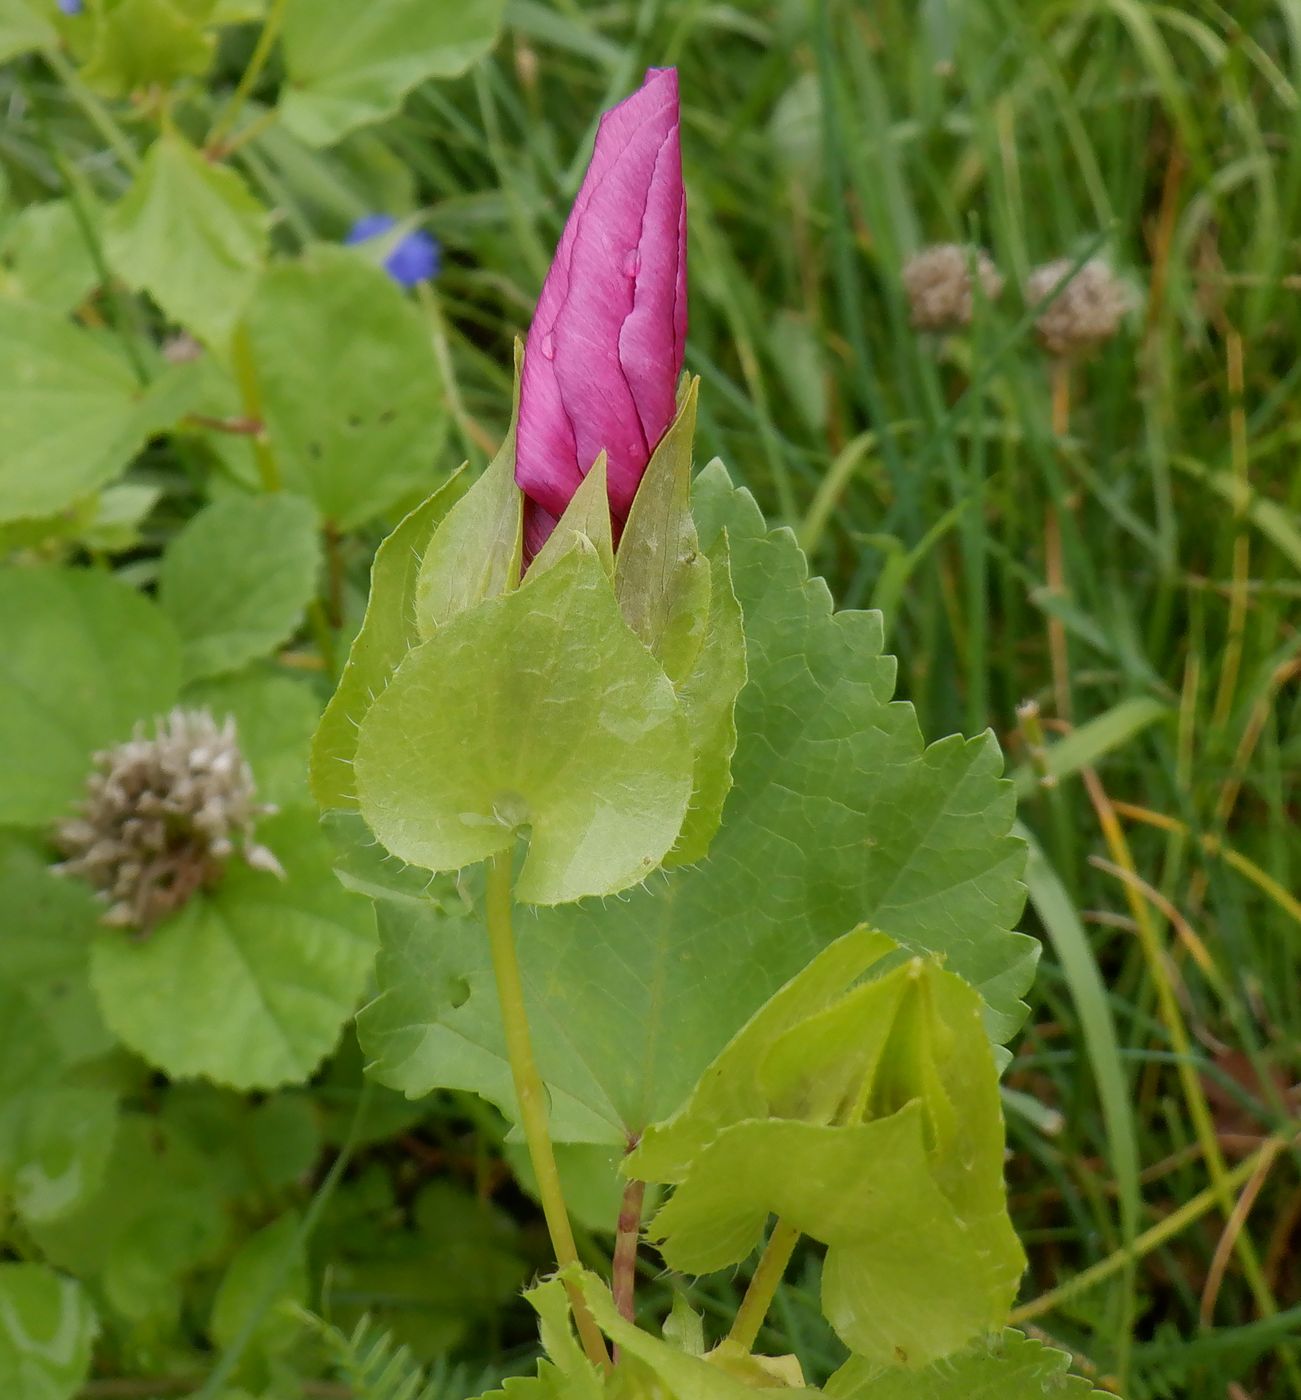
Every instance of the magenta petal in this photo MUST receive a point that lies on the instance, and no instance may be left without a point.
(538, 525)
(604, 350)
(650, 350)
(546, 457)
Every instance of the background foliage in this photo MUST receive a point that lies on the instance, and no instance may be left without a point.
(150, 188)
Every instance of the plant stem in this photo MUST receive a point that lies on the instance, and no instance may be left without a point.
(261, 52)
(531, 1093)
(763, 1286)
(100, 117)
(1053, 566)
(624, 1278)
(241, 355)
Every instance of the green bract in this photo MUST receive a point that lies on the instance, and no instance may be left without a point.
(865, 1114)
(588, 706)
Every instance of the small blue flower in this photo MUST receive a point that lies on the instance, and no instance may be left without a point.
(416, 257)
(71, 7)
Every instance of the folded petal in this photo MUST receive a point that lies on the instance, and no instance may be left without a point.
(604, 350)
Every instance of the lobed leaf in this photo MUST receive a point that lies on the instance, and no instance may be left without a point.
(838, 815)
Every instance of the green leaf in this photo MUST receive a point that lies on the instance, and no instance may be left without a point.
(1009, 1366)
(660, 578)
(47, 1326)
(388, 631)
(157, 1215)
(61, 1144)
(681, 603)
(190, 234)
(249, 984)
(350, 64)
(588, 515)
(708, 694)
(562, 723)
(837, 815)
(871, 1122)
(474, 554)
(54, 1136)
(237, 579)
(266, 1276)
(351, 392)
(49, 262)
(659, 1368)
(44, 954)
(732, 1089)
(85, 659)
(24, 26)
(274, 718)
(71, 413)
(141, 42)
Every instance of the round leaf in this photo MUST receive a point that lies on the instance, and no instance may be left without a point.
(349, 64)
(190, 234)
(85, 658)
(71, 412)
(237, 578)
(349, 383)
(250, 984)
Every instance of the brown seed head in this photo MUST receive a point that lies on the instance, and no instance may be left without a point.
(938, 284)
(1086, 312)
(161, 817)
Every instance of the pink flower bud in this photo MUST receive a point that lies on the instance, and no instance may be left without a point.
(604, 352)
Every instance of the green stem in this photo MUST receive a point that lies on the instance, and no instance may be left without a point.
(530, 1092)
(241, 355)
(100, 117)
(763, 1286)
(261, 52)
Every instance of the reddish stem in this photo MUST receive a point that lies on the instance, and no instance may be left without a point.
(625, 1247)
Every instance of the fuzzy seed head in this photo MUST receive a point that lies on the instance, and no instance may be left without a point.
(162, 816)
(938, 283)
(1085, 313)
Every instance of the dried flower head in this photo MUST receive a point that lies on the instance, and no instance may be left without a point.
(939, 286)
(1087, 311)
(162, 816)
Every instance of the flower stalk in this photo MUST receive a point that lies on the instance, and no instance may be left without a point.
(763, 1285)
(531, 1093)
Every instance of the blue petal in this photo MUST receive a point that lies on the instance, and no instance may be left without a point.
(416, 258)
